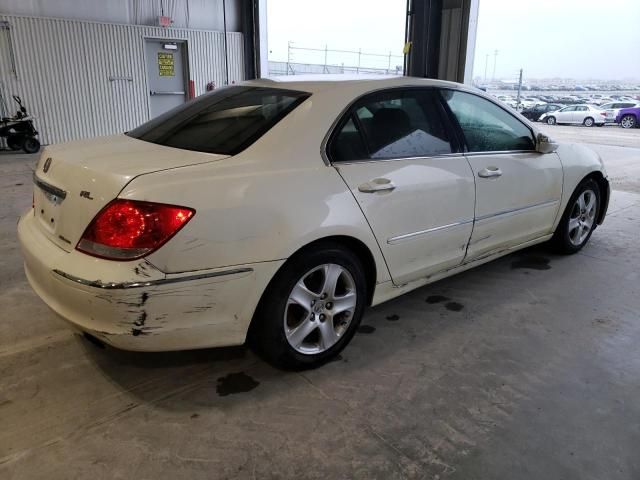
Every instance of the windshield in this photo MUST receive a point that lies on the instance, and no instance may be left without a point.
(225, 121)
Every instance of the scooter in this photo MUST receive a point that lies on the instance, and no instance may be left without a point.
(19, 130)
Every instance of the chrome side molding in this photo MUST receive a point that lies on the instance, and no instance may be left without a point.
(150, 283)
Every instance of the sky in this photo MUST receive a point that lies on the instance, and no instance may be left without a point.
(578, 39)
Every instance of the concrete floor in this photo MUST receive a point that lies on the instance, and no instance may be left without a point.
(525, 368)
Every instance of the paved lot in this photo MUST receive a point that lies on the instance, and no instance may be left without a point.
(525, 368)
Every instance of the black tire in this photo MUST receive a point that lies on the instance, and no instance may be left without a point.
(589, 122)
(31, 145)
(561, 241)
(14, 142)
(550, 120)
(267, 332)
(628, 121)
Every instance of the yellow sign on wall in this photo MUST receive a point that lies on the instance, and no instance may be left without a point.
(165, 64)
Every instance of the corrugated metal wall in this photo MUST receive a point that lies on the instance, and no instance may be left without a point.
(81, 79)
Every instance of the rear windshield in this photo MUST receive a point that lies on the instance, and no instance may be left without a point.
(225, 121)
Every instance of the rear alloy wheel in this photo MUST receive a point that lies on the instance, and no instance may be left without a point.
(588, 122)
(320, 308)
(628, 121)
(551, 120)
(311, 309)
(579, 219)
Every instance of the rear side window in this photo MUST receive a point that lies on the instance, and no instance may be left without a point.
(392, 124)
(225, 121)
(486, 126)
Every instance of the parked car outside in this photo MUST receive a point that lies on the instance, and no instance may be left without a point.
(612, 108)
(276, 210)
(587, 115)
(534, 113)
(628, 117)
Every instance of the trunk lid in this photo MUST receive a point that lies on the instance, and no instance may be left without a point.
(74, 181)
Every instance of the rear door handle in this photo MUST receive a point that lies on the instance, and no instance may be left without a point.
(377, 185)
(490, 172)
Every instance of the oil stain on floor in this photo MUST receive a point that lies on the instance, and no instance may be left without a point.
(454, 306)
(531, 262)
(436, 299)
(366, 329)
(235, 383)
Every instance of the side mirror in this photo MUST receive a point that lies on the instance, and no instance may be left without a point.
(544, 144)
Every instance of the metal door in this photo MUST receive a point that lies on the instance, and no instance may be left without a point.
(165, 75)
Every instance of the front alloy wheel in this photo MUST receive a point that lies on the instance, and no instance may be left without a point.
(579, 218)
(582, 218)
(551, 120)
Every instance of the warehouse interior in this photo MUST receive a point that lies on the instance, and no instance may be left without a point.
(526, 367)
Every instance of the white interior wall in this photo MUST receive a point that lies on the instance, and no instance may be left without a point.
(81, 79)
(197, 14)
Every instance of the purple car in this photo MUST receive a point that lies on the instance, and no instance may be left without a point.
(628, 117)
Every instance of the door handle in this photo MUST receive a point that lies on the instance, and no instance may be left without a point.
(490, 172)
(377, 185)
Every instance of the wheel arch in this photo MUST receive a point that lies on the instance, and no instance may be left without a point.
(355, 246)
(605, 192)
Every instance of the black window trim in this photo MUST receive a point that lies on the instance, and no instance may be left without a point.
(349, 111)
(460, 132)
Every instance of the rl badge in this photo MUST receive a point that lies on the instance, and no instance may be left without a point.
(47, 165)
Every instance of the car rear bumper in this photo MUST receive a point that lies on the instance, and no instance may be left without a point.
(134, 306)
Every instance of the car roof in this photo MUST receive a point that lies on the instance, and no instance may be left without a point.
(321, 82)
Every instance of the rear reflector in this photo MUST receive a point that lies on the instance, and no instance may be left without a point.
(129, 229)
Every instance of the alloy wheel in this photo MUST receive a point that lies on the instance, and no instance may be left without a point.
(628, 121)
(583, 215)
(320, 309)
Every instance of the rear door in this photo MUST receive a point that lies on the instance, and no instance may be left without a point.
(518, 190)
(396, 154)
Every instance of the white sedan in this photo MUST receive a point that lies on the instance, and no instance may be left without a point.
(277, 210)
(586, 115)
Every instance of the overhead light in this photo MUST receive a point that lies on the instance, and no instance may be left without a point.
(170, 46)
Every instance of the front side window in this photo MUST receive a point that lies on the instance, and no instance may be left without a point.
(485, 126)
(392, 124)
(225, 121)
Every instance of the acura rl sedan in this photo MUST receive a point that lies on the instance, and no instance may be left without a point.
(276, 211)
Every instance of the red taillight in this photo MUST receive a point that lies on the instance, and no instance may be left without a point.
(604, 114)
(129, 229)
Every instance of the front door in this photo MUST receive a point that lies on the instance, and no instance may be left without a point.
(518, 190)
(165, 75)
(395, 153)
